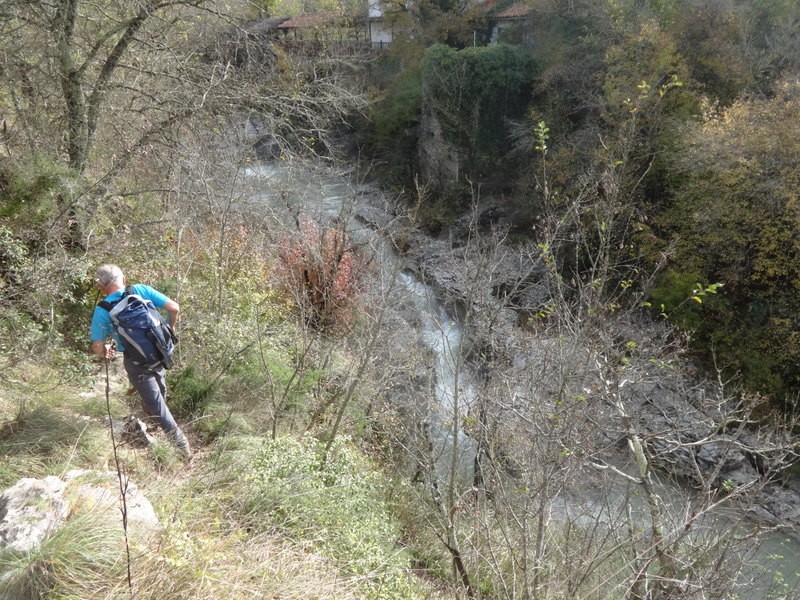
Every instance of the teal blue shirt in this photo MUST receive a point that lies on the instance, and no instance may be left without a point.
(102, 327)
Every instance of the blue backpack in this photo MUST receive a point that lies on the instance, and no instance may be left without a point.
(149, 340)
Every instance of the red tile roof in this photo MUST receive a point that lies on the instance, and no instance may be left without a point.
(515, 11)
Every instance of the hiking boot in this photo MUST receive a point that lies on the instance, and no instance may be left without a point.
(134, 430)
(182, 444)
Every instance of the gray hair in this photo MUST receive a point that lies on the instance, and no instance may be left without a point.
(107, 274)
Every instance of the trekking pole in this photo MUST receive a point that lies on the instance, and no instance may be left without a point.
(123, 484)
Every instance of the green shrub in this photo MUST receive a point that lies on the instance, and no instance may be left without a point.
(393, 127)
(440, 211)
(29, 192)
(671, 297)
(42, 275)
(339, 508)
(473, 93)
(733, 220)
(190, 392)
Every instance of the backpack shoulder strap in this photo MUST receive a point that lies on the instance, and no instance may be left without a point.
(109, 305)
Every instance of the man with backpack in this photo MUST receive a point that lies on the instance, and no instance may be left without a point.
(143, 346)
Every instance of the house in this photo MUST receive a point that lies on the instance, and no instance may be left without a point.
(379, 31)
(499, 16)
(309, 30)
(515, 16)
(309, 26)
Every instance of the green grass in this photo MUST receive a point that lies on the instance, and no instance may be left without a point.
(81, 559)
(338, 507)
(246, 518)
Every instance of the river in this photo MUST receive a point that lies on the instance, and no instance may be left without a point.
(323, 194)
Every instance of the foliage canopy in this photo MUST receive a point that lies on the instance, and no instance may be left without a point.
(472, 92)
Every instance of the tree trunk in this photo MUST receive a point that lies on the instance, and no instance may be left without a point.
(77, 132)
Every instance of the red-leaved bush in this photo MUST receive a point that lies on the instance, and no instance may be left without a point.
(323, 272)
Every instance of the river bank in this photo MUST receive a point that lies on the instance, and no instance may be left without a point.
(696, 430)
(548, 391)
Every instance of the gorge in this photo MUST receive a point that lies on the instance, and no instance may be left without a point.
(697, 443)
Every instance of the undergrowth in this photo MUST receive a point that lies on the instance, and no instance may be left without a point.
(248, 518)
(254, 514)
(338, 508)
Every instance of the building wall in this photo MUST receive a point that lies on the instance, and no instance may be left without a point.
(379, 33)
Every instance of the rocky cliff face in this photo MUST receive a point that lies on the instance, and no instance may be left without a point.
(439, 160)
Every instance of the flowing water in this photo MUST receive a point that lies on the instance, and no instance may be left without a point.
(453, 387)
(292, 190)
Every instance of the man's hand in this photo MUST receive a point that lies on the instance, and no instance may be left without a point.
(106, 351)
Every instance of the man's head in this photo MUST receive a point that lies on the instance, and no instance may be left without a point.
(109, 275)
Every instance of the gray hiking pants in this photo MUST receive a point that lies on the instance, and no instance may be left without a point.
(152, 388)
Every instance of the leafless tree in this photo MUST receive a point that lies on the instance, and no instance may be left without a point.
(603, 467)
(103, 65)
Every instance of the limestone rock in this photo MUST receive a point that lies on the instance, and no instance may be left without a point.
(99, 492)
(32, 509)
